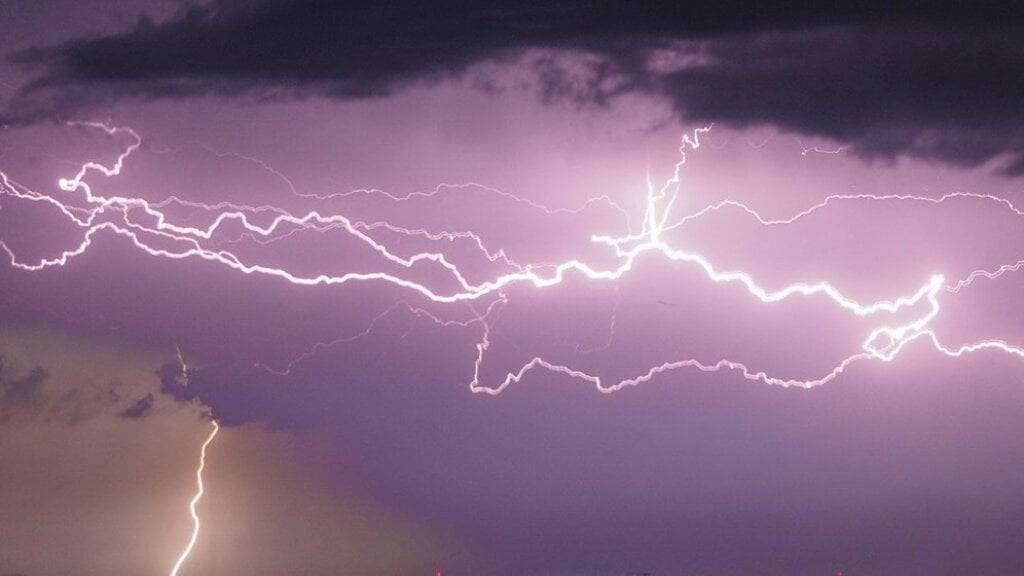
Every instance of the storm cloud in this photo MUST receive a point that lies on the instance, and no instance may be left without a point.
(943, 83)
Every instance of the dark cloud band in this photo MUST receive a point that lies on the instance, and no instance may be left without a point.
(944, 83)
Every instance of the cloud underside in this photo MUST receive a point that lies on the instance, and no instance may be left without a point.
(945, 85)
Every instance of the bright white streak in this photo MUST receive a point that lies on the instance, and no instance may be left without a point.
(200, 490)
(628, 248)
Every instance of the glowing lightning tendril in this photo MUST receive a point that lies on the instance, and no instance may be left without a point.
(115, 214)
(200, 490)
(882, 343)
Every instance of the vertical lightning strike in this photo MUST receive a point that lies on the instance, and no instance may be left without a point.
(200, 490)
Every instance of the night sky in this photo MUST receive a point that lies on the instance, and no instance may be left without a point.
(525, 288)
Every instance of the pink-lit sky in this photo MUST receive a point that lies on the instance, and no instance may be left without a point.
(361, 432)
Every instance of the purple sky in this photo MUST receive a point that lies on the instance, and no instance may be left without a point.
(363, 431)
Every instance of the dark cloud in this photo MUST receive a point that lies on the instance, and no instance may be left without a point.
(171, 375)
(942, 82)
(931, 92)
(35, 396)
(139, 409)
(231, 396)
(20, 391)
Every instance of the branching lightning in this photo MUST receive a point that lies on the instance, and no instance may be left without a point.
(95, 214)
(113, 214)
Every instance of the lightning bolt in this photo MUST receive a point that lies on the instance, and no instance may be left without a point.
(181, 362)
(200, 490)
(805, 150)
(628, 248)
(94, 213)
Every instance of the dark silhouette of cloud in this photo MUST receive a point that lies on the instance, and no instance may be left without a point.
(139, 409)
(948, 94)
(943, 81)
(36, 396)
(24, 390)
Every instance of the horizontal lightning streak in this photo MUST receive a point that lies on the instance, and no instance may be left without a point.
(627, 248)
(114, 214)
